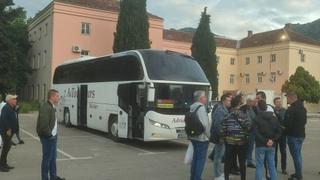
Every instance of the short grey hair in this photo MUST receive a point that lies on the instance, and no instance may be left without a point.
(197, 94)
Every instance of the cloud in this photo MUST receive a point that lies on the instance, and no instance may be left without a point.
(228, 17)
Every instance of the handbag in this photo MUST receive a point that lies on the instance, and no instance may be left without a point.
(189, 154)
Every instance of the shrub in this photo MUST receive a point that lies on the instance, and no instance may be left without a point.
(28, 106)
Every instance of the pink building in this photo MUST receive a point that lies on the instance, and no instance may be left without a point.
(69, 29)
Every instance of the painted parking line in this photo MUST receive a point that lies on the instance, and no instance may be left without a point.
(69, 157)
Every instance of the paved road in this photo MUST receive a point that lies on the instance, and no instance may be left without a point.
(90, 155)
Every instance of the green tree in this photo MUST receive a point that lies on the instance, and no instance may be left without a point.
(14, 46)
(204, 51)
(304, 84)
(132, 27)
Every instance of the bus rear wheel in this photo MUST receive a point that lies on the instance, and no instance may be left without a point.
(67, 118)
(113, 129)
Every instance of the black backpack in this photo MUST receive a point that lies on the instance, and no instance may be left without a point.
(193, 126)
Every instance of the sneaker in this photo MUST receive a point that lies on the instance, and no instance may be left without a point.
(59, 178)
(251, 165)
(21, 142)
(234, 172)
(295, 177)
(284, 172)
(219, 178)
(13, 143)
(8, 167)
(4, 169)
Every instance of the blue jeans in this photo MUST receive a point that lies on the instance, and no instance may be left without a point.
(267, 153)
(295, 146)
(218, 154)
(199, 159)
(49, 156)
(251, 143)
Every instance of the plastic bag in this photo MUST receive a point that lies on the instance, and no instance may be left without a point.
(189, 154)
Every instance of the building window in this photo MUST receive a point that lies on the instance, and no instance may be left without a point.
(247, 60)
(38, 92)
(259, 78)
(259, 59)
(85, 28)
(38, 61)
(232, 61)
(232, 79)
(40, 32)
(302, 58)
(84, 53)
(273, 77)
(218, 59)
(44, 59)
(33, 62)
(46, 29)
(247, 78)
(273, 58)
(44, 92)
(33, 92)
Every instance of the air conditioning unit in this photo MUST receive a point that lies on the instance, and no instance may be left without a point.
(76, 49)
(263, 73)
(279, 72)
(300, 51)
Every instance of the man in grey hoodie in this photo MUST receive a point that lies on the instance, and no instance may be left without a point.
(200, 143)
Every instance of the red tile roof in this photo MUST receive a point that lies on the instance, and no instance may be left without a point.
(175, 35)
(275, 36)
(111, 5)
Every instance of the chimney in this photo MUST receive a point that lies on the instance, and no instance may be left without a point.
(250, 33)
(287, 26)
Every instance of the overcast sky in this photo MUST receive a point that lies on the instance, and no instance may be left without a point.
(231, 18)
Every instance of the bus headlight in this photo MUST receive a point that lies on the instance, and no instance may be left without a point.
(160, 125)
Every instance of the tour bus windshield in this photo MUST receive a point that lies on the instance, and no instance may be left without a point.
(172, 66)
(175, 96)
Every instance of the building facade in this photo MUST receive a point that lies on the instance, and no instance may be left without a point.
(69, 29)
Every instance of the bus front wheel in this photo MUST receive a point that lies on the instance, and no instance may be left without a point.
(67, 118)
(113, 128)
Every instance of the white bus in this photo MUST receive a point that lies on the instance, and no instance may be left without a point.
(139, 94)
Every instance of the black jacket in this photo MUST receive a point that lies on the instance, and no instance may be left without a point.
(266, 126)
(295, 120)
(8, 119)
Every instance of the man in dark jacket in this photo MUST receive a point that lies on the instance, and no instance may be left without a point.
(217, 118)
(295, 121)
(281, 143)
(8, 126)
(47, 131)
(267, 130)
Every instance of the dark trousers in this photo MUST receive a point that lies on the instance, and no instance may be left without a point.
(241, 152)
(49, 156)
(282, 145)
(6, 140)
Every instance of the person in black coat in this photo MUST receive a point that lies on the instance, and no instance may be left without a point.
(8, 126)
(295, 121)
(266, 130)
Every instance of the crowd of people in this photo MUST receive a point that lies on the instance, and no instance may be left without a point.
(238, 129)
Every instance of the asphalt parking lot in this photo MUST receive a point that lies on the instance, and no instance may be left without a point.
(85, 154)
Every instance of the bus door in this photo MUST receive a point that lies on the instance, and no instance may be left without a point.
(82, 105)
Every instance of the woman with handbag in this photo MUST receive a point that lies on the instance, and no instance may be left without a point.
(235, 130)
